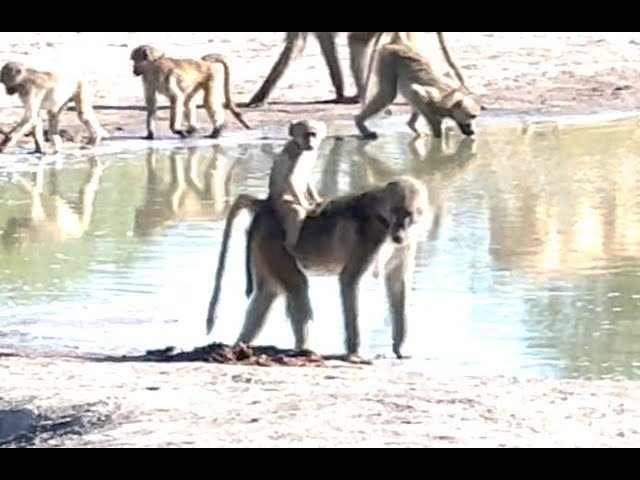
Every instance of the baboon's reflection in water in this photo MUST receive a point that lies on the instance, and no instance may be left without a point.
(197, 188)
(52, 218)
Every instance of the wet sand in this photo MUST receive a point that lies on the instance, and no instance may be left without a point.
(204, 404)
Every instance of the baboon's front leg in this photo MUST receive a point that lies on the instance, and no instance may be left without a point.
(349, 284)
(151, 101)
(29, 120)
(412, 123)
(434, 122)
(397, 271)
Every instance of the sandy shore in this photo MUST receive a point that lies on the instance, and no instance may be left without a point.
(162, 405)
(193, 404)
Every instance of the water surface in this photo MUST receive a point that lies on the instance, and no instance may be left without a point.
(536, 271)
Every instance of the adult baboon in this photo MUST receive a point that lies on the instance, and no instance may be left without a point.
(358, 43)
(400, 68)
(342, 239)
(180, 80)
(50, 91)
(409, 39)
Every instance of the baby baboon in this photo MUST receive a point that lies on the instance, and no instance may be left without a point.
(180, 80)
(40, 90)
(401, 68)
(290, 189)
(342, 239)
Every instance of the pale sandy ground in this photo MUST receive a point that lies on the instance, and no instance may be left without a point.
(221, 405)
(511, 72)
(232, 406)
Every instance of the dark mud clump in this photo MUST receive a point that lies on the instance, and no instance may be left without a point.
(263, 356)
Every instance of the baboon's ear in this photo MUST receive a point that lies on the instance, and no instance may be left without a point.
(452, 100)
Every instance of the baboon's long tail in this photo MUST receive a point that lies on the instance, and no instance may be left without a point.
(243, 201)
(216, 58)
(452, 64)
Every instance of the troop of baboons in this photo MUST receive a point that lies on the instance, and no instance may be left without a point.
(292, 230)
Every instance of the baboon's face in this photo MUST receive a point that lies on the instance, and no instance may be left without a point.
(141, 56)
(464, 112)
(10, 76)
(308, 134)
(406, 200)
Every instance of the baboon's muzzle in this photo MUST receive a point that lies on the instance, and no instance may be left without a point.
(398, 238)
(467, 129)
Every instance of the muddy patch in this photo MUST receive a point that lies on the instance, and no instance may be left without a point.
(263, 356)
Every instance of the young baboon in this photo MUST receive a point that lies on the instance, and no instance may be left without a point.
(342, 239)
(401, 68)
(41, 90)
(290, 190)
(180, 80)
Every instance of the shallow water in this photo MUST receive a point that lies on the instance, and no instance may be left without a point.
(536, 271)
